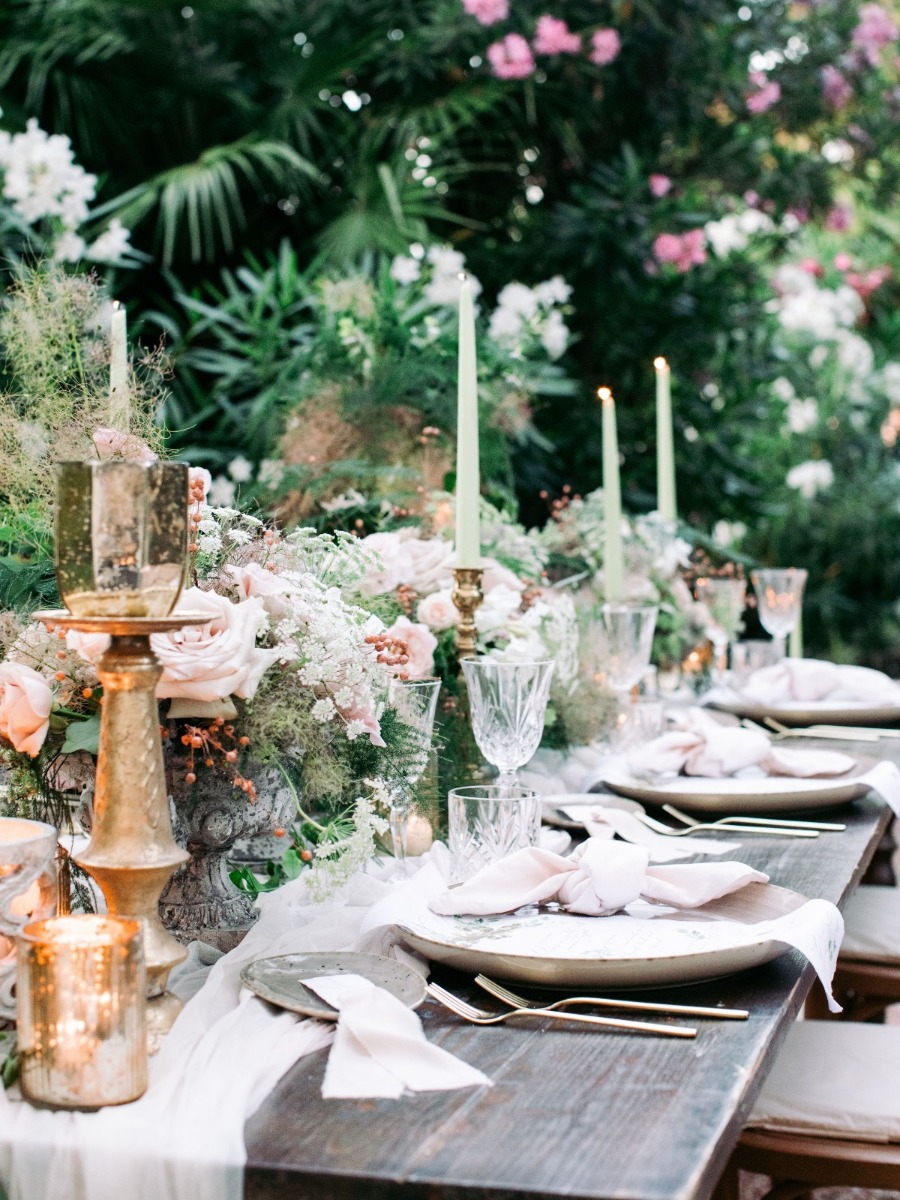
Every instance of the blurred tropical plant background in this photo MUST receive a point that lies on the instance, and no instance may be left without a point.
(281, 189)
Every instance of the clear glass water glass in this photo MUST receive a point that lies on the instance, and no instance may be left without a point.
(639, 720)
(725, 599)
(489, 822)
(508, 703)
(625, 632)
(779, 598)
(750, 656)
(415, 702)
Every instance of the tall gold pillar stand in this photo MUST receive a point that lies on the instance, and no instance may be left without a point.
(132, 852)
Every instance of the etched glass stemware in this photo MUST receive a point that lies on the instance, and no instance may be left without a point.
(415, 702)
(779, 597)
(725, 599)
(508, 702)
(626, 635)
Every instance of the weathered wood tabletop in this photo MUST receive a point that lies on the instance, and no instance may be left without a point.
(582, 1116)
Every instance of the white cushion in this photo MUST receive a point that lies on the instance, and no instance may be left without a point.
(872, 925)
(834, 1079)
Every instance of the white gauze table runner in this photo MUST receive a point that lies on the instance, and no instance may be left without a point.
(184, 1139)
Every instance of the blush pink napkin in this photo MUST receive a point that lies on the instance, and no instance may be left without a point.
(811, 679)
(707, 748)
(598, 879)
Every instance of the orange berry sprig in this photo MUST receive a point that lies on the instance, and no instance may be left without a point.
(207, 742)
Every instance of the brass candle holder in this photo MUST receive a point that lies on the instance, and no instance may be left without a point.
(121, 546)
(467, 595)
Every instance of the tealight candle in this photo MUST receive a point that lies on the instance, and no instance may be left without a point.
(82, 1012)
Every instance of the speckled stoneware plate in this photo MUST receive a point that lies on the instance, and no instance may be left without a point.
(749, 795)
(798, 713)
(494, 946)
(278, 980)
(552, 807)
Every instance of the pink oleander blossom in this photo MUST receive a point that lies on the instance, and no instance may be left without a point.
(813, 267)
(511, 57)
(487, 12)
(660, 185)
(768, 93)
(875, 30)
(865, 285)
(553, 36)
(836, 91)
(839, 219)
(682, 252)
(843, 261)
(605, 47)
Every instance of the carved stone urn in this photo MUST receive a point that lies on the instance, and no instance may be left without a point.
(208, 817)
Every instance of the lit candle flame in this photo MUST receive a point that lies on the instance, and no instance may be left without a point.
(605, 395)
(660, 364)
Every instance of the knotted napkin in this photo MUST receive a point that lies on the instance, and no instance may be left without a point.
(811, 679)
(598, 879)
(380, 1048)
(705, 747)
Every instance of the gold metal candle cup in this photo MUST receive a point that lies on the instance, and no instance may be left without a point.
(467, 595)
(121, 537)
(82, 1026)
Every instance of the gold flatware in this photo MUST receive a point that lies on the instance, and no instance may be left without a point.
(724, 825)
(838, 733)
(820, 826)
(480, 1016)
(684, 1010)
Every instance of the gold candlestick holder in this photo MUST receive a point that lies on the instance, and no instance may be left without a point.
(132, 852)
(467, 595)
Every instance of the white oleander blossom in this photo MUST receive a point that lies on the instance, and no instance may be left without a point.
(810, 478)
(44, 185)
(802, 415)
(527, 317)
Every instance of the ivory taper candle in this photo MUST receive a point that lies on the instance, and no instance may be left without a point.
(119, 402)
(468, 483)
(613, 558)
(665, 446)
(795, 638)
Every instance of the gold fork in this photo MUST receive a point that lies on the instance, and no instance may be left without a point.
(684, 1010)
(480, 1016)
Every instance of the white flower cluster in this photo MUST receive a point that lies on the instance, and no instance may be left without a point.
(525, 313)
(732, 233)
(802, 306)
(439, 269)
(810, 478)
(544, 628)
(42, 182)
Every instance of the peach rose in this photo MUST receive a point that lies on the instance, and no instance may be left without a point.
(432, 562)
(496, 575)
(111, 443)
(438, 611)
(89, 646)
(218, 659)
(25, 703)
(254, 580)
(420, 647)
(392, 567)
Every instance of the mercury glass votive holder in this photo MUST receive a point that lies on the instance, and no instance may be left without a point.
(82, 1012)
(121, 537)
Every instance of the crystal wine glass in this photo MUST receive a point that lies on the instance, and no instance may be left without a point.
(415, 702)
(779, 596)
(626, 636)
(725, 599)
(508, 701)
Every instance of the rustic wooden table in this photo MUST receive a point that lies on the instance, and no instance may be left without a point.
(581, 1116)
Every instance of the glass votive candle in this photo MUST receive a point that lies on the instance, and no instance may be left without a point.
(28, 891)
(82, 1012)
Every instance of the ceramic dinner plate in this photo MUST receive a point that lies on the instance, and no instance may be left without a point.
(552, 807)
(750, 795)
(278, 980)
(494, 946)
(813, 712)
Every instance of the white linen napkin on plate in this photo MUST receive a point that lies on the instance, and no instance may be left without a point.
(704, 747)
(812, 679)
(599, 878)
(605, 822)
(380, 1048)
